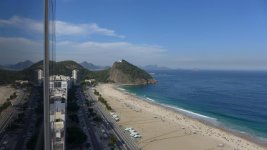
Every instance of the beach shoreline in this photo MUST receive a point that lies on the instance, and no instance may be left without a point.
(198, 117)
(195, 128)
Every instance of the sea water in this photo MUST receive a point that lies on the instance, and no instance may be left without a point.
(234, 99)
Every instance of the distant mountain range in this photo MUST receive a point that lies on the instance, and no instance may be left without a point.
(85, 64)
(18, 66)
(154, 67)
(121, 72)
(92, 67)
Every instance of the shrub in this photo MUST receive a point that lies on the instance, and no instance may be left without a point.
(75, 136)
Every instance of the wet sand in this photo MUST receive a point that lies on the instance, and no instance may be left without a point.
(163, 128)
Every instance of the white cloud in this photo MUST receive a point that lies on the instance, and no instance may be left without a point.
(15, 49)
(105, 53)
(22, 23)
(62, 28)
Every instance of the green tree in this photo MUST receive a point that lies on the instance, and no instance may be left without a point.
(75, 136)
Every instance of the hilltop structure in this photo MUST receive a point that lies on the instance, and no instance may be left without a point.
(74, 76)
(40, 76)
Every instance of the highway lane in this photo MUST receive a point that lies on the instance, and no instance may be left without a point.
(26, 127)
(96, 144)
(124, 138)
(99, 113)
(7, 115)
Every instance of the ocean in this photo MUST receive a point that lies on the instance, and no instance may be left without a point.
(235, 100)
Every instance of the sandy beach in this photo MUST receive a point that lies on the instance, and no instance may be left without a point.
(163, 128)
(5, 92)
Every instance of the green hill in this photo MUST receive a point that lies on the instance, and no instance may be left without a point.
(121, 72)
(30, 73)
(66, 68)
(126, 73)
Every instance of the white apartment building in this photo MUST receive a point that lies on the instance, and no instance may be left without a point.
(59, 86)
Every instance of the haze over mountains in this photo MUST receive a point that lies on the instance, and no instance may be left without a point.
(155, 67)
(93, 67)
(18, 66)
(121, 72)
(90, 66)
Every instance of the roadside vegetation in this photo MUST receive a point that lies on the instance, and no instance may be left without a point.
(102, 100)
(4, 106)
(35, 137)
(92, 114)
(108, 138)
(96, 93)
(13, 96)
(32, 142)
(112, 142)
(20, 119)
(72, 106)
(74, 118)
(75, 137)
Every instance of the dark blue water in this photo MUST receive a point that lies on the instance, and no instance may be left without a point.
(235, 99)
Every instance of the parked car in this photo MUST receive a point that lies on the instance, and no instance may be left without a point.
(137, 136)
(133, 134)
(128, 129)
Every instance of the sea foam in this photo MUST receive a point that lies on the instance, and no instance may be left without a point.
(121, 89)
(150, 99)
(191, 113)
(184, 111)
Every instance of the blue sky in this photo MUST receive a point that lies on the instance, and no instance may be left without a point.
(207, 34)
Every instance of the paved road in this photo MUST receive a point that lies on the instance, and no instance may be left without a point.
(124, 138)
(20, 135)
(40, 140)
(28, 121)
(7, 114)
(5, 117)
(96, 144)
